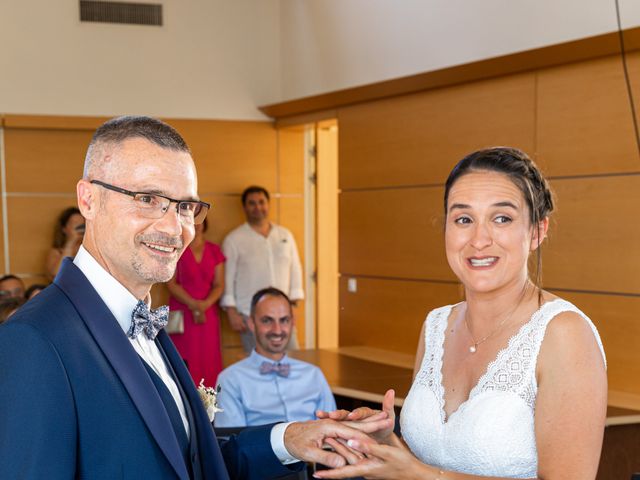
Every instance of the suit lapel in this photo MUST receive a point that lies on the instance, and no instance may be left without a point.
(123, 358)
(202, 430)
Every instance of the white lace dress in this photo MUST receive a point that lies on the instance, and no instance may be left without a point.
(492, 433)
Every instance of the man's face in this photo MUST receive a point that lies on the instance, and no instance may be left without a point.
(136, 250)
(271, 324)
(11, 288)
(256, 207)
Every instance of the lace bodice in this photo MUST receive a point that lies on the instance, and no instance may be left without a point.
(491, 433)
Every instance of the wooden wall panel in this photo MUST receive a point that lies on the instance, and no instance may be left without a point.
(225, 214)
(31, 221)
(416, 139)
(291, 160)
(584, 123)
(44, 160)
(230, 155)
(393, 233)
(2, 266)
(574, 119)
(616, 318)
(292, 217)
(593, 245)
(388, 314)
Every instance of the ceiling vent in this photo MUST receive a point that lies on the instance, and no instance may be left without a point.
(121, 12)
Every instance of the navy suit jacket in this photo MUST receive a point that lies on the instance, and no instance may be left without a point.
(77, 402)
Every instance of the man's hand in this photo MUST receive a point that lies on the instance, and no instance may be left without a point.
(235, 320)
(304, 440)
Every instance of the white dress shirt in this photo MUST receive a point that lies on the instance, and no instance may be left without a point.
(121, 302)
(255, 262)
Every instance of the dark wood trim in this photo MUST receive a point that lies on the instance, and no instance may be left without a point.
(313, 117)
(560, 54)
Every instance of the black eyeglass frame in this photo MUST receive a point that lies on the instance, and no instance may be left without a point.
(196, 221)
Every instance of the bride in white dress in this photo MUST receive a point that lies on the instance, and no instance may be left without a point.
(510, 383)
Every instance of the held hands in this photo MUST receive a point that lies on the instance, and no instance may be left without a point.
(390, 459)
(304, 440)
(198, 309)
(374, 461)
(360, 417)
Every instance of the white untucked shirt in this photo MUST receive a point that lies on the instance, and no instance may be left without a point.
(255, 262)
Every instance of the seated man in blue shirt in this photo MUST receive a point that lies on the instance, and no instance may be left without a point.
(268, 386)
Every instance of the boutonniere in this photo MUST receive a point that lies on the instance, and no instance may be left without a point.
(209, 397)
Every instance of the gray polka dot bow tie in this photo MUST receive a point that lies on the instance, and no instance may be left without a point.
(148, 321)
(281, 369)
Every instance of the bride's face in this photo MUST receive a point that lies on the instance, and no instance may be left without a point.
(488, 234)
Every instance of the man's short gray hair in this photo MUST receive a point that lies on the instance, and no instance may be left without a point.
(117, 130)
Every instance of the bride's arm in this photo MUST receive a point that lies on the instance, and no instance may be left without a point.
(571, 405)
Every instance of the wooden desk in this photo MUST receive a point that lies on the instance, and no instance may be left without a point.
(357, 378)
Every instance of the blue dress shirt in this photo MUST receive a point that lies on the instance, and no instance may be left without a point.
(249, 398)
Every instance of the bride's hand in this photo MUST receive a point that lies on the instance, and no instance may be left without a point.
(366, 415)
(381, 462)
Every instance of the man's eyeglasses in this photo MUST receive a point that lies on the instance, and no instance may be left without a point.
(153, 205)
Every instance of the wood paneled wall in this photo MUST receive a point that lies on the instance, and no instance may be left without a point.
(44, 158)
(395, 154)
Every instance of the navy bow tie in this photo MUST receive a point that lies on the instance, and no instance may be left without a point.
(282, 369)
(148, 321)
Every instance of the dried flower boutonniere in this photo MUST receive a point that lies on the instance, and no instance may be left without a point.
(209, 397)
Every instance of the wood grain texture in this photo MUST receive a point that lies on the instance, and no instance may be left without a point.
(230, 155)
(291, 216)
(225, 215)
(291, 157)
(592, 244)
(39, 160)
(31, 222)
(393, 233)
(584, 122)
(327, 237)
(357, 377)
(53, 122)
(417, 139)
(388, 314)
(616, 318)
(620, 453)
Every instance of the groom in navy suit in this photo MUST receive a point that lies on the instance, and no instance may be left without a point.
(90, 385)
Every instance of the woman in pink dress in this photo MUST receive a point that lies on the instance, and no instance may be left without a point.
(195, 290)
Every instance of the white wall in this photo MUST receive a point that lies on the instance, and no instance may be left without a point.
(223, 58)
(329, 45)
(211, 59)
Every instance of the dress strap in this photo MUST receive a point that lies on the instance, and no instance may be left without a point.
(514, 369)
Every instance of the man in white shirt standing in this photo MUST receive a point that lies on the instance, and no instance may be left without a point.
(91, 386)
(259, 254)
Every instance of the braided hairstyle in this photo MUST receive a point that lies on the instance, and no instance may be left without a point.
(524, 174)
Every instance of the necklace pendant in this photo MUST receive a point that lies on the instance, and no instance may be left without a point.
(472, 349)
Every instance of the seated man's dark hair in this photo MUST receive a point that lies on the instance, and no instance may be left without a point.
(267, 292)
